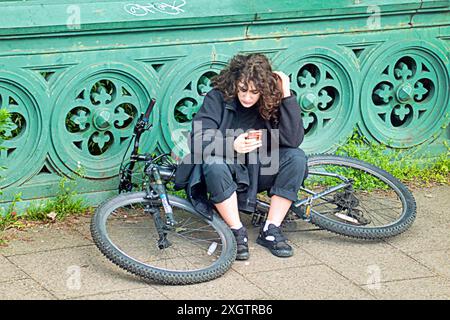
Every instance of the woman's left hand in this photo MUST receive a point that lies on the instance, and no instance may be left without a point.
(285, 83)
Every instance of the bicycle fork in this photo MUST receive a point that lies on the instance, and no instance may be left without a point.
(161, 226)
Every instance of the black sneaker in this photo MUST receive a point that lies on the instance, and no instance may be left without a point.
(242, 243)
(275, 241)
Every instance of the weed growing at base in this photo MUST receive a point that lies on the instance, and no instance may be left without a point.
(405, 165)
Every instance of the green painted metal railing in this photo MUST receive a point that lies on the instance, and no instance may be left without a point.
(75, 76)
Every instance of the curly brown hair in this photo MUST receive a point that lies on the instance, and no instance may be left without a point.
(253, 67)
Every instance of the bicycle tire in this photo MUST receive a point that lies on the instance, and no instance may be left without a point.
(127, 259)
(369, 231)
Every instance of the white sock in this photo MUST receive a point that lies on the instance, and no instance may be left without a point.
(266, 226)
(237, 227)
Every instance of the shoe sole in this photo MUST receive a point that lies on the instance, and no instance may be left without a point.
(274, 252)
(244, 256)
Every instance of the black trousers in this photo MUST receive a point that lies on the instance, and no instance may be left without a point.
(284, 179)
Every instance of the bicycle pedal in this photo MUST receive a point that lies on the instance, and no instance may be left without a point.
(258, 218)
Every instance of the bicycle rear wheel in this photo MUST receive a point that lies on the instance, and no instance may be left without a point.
(197, 249)
(377, 205)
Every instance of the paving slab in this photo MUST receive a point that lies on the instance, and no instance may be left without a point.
(262, 260)
(9, 271)
(360, 261)
(73, 272)
(433, 203)
(430, 230)
(423, 235)
(432, 288)
(44, 238)
(230, 286)
(438, 260)
(308, 282)
(24, 289)
(147, 293)
(80, 224)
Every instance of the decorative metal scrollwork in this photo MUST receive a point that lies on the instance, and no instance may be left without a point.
(24, 146)
(15, 134)
(101, 119)
(325, 92)
(186, 96)
(406, 95)
(93, 121)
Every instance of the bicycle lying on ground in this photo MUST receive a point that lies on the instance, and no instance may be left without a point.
(160, 237)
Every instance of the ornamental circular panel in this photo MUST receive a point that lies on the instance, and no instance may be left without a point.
(92, 124)
(185, 91)
(405, 94)
(324, 83)
(24, 147)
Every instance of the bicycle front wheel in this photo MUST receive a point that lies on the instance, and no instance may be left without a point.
(194, 250)
(376, 206)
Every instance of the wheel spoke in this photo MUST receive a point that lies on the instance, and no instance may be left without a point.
(194, 244)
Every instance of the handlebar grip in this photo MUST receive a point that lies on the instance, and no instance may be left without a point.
(149, 109)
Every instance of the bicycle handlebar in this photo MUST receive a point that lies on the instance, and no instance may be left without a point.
(142, 123)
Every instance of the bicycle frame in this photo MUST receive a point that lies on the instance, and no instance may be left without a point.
(307, 202)
(160, 174)
(346, 183)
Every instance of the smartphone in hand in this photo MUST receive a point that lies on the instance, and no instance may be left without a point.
(255, 134)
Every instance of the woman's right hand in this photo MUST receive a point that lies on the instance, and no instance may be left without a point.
(283, 83)
(244, 145)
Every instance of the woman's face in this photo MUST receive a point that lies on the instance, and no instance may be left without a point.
(247, 94)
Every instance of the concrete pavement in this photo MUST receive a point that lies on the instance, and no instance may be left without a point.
(60, 261)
